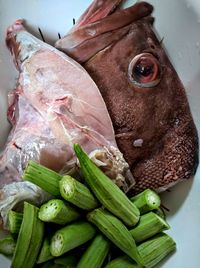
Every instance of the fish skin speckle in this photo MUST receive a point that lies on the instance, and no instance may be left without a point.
(138, 143)
(160, 114)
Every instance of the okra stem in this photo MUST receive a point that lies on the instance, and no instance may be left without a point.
(57, 211)
(45, 178)
(14, 221)
(96, 253)
(106, 191)
(71, 237)
(116, 231)
(77, 193)
(7, 245)
(149, 225)
(146, 201)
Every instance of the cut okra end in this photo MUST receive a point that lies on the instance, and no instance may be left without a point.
(152, 198)
(57, 211)
(77, 193)
(146, 201)
(57, 242)
(7, 245)
(67, 187)
(49, 210)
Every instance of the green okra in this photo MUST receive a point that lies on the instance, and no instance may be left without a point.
(106, 191)
(146, 201)
(156, 249)
(160, 212)
(45, 254)
(51, 264)
(29, 239)
(7, 245)
(70, 237)
(57, 211)
(14, 221)
(116, 231)
(122, 262)
(149, 225)
(69, 261)
(77, 193)
(152, 251)
(96, 253)
(43, 177)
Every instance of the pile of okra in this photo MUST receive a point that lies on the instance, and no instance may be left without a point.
(86, 224)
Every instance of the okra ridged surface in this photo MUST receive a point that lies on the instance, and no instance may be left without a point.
(71, 236)
(58, 211)
(77, 193)
(116, 231)
(106, 191)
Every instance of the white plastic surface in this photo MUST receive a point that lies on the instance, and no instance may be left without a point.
(178, 21)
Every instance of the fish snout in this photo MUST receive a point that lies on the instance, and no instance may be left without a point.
(175, 159)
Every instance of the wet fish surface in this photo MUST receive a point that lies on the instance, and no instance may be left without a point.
(145, 98)
(51, 109)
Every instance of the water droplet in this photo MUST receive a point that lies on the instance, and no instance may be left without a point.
(197, 44)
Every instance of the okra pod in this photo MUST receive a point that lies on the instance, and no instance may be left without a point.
(45, 254)
(50, 264)
(152, 251)
(96, 253)
(71, 237)
(146, 201)
(116, 231)
(29, 239)
(122, 262)
(77, 193)
(43, 177)
(57, 211)
(160, 212)
(106, 191)
(69, 261)
(7, 245)
(156, 248)
(149, 225)
(14, 221)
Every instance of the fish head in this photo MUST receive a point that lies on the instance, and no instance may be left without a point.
(145, 98)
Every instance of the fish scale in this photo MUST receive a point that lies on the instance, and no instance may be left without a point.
(143, 93)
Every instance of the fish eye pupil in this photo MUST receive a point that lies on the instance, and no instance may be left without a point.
(142, 70)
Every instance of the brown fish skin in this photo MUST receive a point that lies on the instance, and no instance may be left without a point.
(153, 124)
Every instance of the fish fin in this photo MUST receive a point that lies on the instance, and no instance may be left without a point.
(97, 10)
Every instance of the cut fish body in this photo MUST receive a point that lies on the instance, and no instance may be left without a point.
(54, 105)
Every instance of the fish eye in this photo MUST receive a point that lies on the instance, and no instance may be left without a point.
(144, 70)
